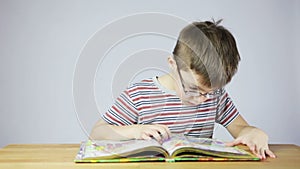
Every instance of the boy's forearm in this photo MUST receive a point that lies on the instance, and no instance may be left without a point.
(103, 131)
(111, 132)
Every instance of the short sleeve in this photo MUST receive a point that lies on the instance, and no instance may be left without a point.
(226, 110)
(122, 112)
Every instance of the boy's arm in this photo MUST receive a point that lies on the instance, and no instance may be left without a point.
(254, 138)
(103, 130)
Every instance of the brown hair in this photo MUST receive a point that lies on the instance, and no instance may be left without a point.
(210, 50)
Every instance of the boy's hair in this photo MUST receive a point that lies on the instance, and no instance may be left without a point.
(210, 50)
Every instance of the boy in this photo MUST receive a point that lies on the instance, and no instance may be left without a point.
(188, 100)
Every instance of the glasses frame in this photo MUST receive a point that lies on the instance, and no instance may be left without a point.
(210, 95)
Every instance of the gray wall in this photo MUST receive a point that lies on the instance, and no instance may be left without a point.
(41, 43)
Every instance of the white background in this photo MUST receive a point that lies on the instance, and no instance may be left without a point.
(40, 42)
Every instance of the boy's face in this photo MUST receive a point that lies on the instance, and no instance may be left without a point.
(191, 91)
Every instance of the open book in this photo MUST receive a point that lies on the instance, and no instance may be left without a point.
(177, 148)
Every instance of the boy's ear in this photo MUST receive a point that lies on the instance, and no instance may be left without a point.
(172, 63)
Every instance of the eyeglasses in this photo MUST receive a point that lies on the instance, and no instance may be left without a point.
(197, 93)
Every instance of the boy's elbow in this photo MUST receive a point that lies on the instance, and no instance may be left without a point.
(94, 133)
(99, 130)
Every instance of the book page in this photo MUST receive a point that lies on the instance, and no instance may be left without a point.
(180, 141)
(115, 149)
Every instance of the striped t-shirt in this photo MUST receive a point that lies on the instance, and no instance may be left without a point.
(148, 102)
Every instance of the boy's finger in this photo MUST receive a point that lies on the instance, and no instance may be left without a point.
(163, 131)
(252, 148)
(233, 143)
(262, 153)
(145, 136)
(166, 133)
(257, 155)
(163, 134)
(155, 134)
(270, 153)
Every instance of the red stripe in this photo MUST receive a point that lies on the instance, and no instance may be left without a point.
(148, 80)
(150, 97)
(141, 88)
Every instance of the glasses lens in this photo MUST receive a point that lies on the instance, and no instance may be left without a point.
(212, 95)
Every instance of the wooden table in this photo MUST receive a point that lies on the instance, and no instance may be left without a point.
(40, 156)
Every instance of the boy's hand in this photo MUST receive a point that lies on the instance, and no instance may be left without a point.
(256, 140)
(156, 131)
